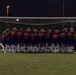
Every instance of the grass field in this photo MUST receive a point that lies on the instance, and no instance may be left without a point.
(37, 64)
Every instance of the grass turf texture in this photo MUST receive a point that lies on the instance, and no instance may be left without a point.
(37, 64)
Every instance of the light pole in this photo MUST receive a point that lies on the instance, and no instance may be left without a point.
(63, 13)
(63, 8)
(7, 9)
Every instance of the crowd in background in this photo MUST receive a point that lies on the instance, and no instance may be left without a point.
(33, 40)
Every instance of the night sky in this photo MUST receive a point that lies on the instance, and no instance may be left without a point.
(39, 8)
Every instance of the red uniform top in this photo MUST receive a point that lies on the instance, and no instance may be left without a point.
(55, 37)
(72, 32)
(29, 32)
(26, 36)
(36, 35)
(70, 36)
(22, 31)
(20, 35)
(66, 32)
(15, 34)
(11, 36)
(48, 36)
(40, 36)
(32, 37)
(4, 37)
(63, 36)
(44, 34)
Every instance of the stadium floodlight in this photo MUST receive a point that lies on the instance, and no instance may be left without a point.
(7, 7)
(17, 20)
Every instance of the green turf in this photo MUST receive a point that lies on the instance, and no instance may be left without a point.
(37, 64)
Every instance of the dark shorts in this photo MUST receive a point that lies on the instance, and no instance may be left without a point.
(63, 42)
(70, 41)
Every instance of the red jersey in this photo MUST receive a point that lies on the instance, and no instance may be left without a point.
(15, 34)
(22, 31)
(19, 35)
(4, 36)
(11, 36)
(63, 36)
(66, 32)
(72, 32)
(69, 36)
(29, 32)
(48, 36)
(26, 36)
(32, 37)
(40, 36)
(55, 37)
(43, 34)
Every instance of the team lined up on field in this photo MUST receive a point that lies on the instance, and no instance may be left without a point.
(33, 40)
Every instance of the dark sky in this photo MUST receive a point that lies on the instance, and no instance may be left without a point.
(39, 8)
